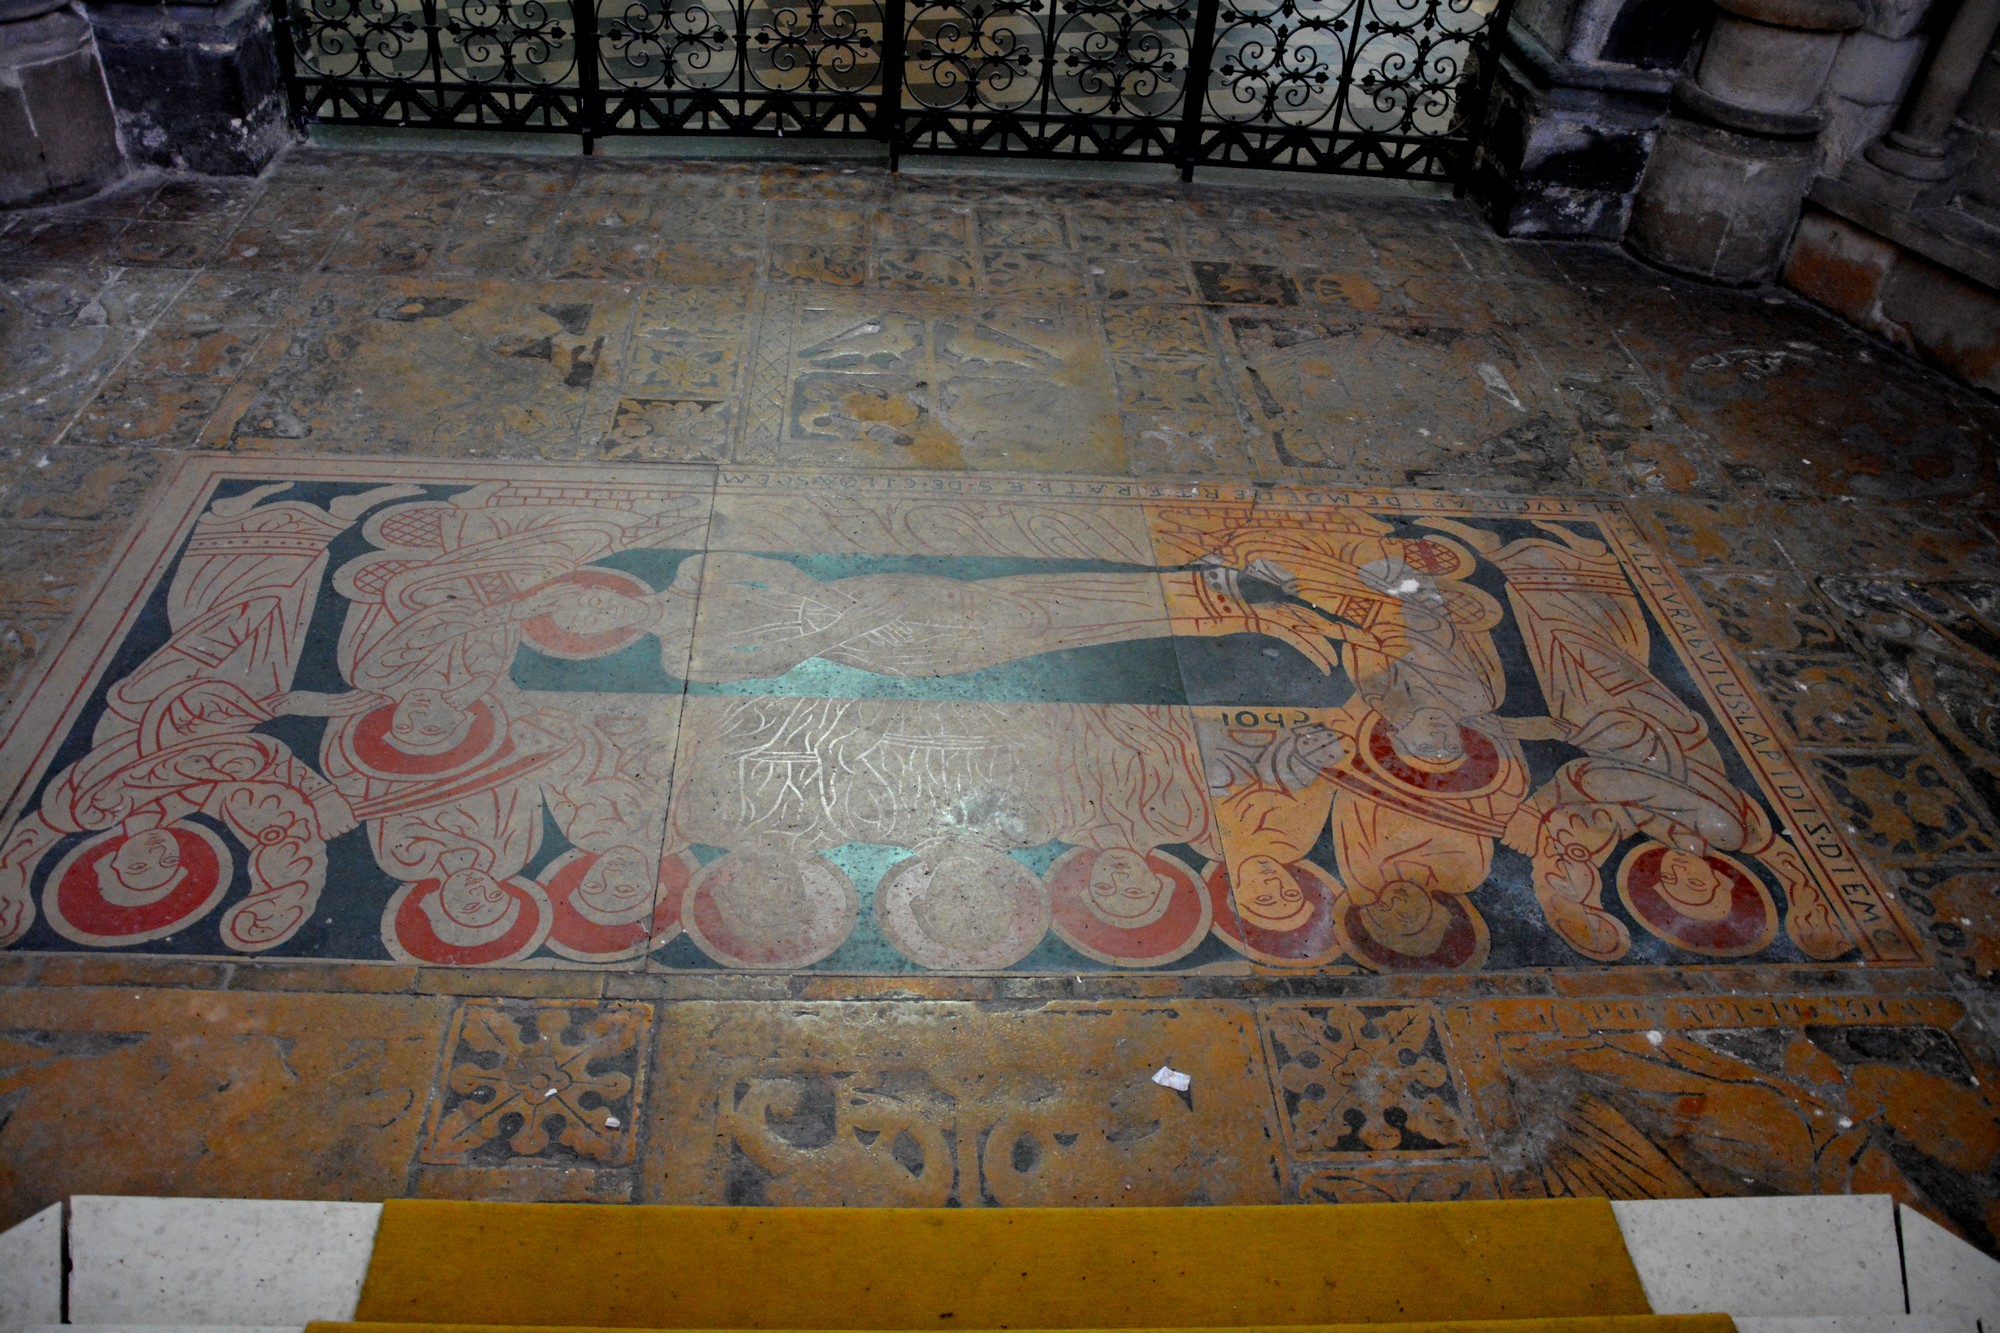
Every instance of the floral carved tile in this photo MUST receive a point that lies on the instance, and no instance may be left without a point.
(1905, 806)
(531, 1083)
(1364, 1079)
(1765, 611)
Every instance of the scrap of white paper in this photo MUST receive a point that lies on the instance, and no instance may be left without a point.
(1169, 1077)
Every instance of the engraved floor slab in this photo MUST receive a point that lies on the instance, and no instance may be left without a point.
(895, 723)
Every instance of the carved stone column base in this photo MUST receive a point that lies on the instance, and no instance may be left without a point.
(1918, 164)
(58, 138)
(1718, 204)
(197, 85)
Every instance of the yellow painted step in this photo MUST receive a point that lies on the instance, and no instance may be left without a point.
(1612, 1323)
(588, 1266)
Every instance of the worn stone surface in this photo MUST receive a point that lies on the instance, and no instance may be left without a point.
(930, 651)
(1878, 285)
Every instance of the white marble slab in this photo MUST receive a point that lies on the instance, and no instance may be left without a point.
(243, 1262)
(31, 1270)
(1947, 1276)
(164, 1328)
(1809, 1255)
(1857, 1323)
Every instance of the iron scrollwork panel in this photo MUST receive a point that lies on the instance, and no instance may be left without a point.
(744, 66)
(1382, 87)
(1084, 77)
(508, 64)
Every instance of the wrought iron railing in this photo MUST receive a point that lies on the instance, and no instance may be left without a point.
(1375, 87)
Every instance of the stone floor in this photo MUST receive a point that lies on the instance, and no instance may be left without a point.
(541, 678)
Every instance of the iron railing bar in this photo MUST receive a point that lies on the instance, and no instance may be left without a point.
(1201, 60)
(895, 38)
(1473, 121)
(588, 53)
(1345, 83)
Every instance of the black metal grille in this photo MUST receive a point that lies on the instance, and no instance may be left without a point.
(1374, 87)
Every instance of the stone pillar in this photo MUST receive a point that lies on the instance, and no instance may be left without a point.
(1917, 148)
(1871, 77)
(1735, 159)
(1577, 98)
(58, 137)
(197, 85)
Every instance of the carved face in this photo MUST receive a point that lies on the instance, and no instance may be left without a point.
(1429, 735)
(146, 863)
(1124, 890)
(1407, 919)
(1694, 886)
(960, 905)
(474, 899)
(1267, 895)
(618, 888)
(425, 722)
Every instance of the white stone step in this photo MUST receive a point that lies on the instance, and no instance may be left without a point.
(1808, 1255)
(166, 1328)
(31, 1270)
(247, 1263)
(1945, 1275)
(1855, 1323)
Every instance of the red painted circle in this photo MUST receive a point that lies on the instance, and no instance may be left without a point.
(79, 911)
(555, 641)
(408, 934)
(1177, 931)
(1307, 945)
(1475, 773)
(576, 936)
(377, 754)
(1463, 948)
(1751, 923)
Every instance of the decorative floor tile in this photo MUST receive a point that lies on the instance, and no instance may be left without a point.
(1701, 533)
(1940, 645)
(902, 723)
(925, 270)
(1905, 806)
(252, 1095)
(421, 362)
(1042, 275)
(824, 1103)
(1152, 279)
(818, 265)
(1157, 331)
(1832, 701)
(1226, 282)
(1732, 1094)
(1357, 1080)
(1400, 404)
(1019, 229)
(1768, 612)
(671, 430)
(1960, 910)
(528, 1083)
(928, 381)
